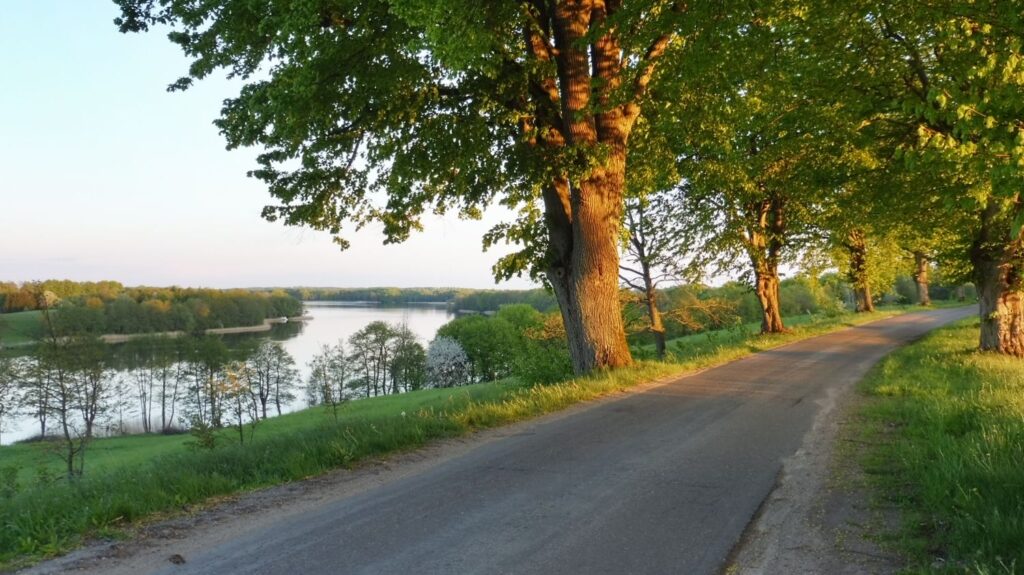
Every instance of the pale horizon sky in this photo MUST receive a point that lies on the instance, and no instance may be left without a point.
(106, 175)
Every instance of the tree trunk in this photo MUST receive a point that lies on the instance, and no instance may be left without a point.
(584, 277)
(765, 241)
(657, 326)
(921, 278)
(999, 274)
(857, 245)
(766, 287)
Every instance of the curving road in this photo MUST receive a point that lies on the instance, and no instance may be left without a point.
(660, 481)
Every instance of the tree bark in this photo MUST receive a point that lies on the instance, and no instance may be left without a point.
(767, 290)
(657, 326)
(583, 212)
(856, 244)
(765, 241)
(921, 278)
(998, 260)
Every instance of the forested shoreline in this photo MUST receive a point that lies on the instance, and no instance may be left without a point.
(98, 308)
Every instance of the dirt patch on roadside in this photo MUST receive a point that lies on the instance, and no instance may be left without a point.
(820, 518)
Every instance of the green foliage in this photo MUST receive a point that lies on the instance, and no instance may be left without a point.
(203, 434)
(490, 343)
(944, 430)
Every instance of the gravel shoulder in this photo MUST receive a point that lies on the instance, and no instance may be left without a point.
(820, 518)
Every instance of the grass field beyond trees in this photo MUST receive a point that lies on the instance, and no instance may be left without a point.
(129, 478)
(20, 328)
(945, 426)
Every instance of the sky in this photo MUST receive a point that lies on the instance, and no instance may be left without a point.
(106, 175)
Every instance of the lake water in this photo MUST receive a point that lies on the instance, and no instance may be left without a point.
(329, 323)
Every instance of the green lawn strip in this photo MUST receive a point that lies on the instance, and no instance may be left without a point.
(944, 430)
(129, 478)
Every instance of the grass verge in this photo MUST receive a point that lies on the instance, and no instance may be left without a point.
(944, 430)
(131, 478)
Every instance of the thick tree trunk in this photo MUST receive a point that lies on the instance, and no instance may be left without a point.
(998, 262)
(584, 276)
(767, 289)
(857, 246)
(583, 217)
(921, 278)
(766, 230)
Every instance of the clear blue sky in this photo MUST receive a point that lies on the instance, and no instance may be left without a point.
(105, 175)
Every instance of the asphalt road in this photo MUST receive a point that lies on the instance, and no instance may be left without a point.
(662, 481)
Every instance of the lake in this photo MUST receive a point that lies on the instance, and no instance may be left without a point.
(330, 322)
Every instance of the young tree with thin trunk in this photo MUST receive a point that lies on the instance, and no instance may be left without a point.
(329, 375)
(271, 372)
(450, 105)
(656, 243)
(63, 393)
(10, 396)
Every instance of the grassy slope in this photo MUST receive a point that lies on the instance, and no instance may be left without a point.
(945, 426)
(20, 328)
(132, 477)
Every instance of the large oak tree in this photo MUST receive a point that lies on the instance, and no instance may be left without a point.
(383, 110)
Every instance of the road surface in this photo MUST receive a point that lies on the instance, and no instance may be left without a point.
(660, 481)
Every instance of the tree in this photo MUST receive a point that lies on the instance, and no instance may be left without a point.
(449, 105)
(758, 148)
(206, 357)
(35, 392)
(271, 371)
(447, 363)
(62, 394)
(10, 374)
(489, 343)
(236, 390)
(951, 76)
(408, 361)
(329, 374)
(656, 242)
(371, 352)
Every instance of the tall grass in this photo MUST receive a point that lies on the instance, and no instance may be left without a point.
(130, 478)
(946, 428)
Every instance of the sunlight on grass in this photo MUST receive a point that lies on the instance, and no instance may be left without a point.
(946, 426)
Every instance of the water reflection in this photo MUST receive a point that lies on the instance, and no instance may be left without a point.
(328, 323)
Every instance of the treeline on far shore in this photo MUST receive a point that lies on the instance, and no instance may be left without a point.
(456, 298)
(110, 308)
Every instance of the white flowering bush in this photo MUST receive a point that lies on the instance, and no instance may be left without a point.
(447, 363)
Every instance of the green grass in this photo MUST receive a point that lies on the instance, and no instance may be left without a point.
(945, 429)
(20, 328)
(131, 478)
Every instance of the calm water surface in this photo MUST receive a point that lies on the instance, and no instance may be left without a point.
(329, 324)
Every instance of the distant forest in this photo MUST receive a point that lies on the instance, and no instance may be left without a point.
(456, 298)
(110, 308)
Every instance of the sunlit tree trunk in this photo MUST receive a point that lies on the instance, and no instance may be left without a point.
(766, 230)
(583, 217)
(998, 262)
(856, 244)
(921, 278)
